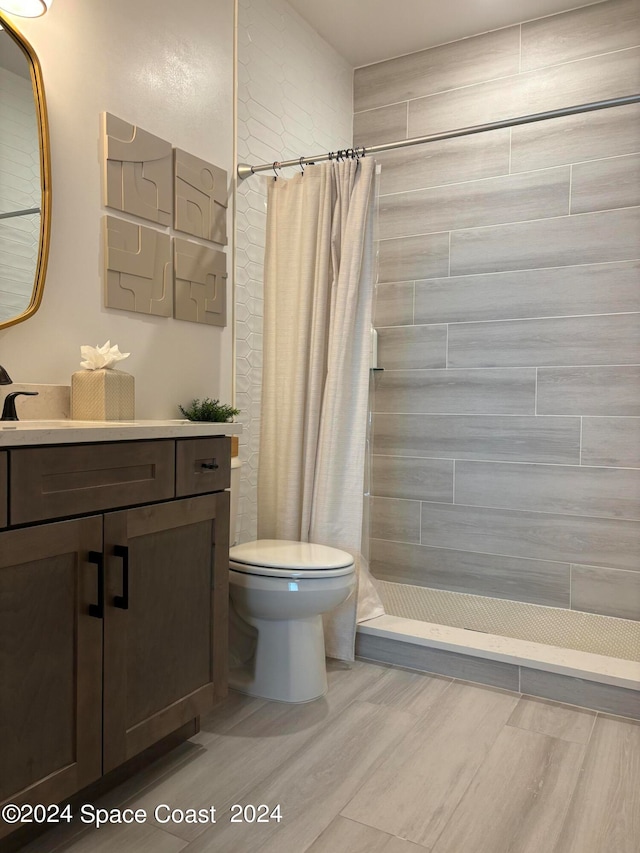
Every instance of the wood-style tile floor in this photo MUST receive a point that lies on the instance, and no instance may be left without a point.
(389, 762)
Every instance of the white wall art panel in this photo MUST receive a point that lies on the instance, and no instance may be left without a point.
(200, 283)
(138, 171)
(138, 274)
(200, 197)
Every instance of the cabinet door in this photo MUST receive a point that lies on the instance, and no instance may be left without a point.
(165, 659)
(50, 662)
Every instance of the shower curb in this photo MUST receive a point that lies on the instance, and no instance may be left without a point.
(609, 685)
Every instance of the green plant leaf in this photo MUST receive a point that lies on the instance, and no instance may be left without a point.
(209, 410)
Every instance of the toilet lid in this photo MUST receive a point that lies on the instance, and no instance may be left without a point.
(284, 558)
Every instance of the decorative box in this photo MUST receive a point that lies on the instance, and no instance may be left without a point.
(102, 395)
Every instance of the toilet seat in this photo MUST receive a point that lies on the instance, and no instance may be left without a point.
(282, 558)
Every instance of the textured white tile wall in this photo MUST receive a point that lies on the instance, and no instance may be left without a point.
(294, 99)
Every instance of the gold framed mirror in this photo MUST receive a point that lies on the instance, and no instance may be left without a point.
(25, 178)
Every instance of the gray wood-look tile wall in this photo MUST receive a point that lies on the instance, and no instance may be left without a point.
(507, 419)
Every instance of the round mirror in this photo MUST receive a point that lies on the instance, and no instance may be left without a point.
(25, 204)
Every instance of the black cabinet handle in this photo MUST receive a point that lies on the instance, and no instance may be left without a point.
(210, 466)
(97, 610)
(122, 601)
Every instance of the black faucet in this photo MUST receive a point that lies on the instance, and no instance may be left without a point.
(9, 409)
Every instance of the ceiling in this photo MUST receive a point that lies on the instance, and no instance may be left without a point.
(366, 31)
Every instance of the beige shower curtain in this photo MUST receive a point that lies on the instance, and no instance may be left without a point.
(318, 288)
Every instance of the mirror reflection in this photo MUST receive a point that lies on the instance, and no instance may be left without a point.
(22, 235)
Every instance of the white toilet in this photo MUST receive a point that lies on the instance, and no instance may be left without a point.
(280, 589)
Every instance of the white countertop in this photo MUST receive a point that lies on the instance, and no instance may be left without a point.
(28, 433)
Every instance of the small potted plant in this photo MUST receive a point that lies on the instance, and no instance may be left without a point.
(211, 411)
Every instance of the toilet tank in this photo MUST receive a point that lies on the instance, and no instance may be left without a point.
(234, 489)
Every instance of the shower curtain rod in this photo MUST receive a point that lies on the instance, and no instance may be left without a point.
(244, 171)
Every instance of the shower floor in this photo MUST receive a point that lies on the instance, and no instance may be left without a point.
(551, 626)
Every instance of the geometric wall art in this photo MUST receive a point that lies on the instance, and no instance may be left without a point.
(201, 197)
(139, 273)
(200, 283)
(138, 171)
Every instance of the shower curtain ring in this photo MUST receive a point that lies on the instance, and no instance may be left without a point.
(275, 167)
(301, 166)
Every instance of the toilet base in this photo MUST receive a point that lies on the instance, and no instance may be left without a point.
(289, 665)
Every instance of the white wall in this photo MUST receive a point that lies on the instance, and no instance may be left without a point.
(294, 99)
(167, 67)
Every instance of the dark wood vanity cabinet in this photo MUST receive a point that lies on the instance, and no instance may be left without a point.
(113, 625)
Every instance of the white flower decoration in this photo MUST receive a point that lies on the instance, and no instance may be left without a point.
(97, 358)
